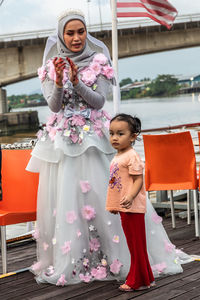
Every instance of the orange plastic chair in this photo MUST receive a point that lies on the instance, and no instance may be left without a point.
(170, 164)
(19, 193)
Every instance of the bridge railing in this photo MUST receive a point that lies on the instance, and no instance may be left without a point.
(124, 23)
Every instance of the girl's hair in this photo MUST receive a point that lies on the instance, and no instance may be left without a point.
(133, 122)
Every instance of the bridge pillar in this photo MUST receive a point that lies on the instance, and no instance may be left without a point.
(3, 101)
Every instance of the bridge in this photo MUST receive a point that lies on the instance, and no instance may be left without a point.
(21, 53)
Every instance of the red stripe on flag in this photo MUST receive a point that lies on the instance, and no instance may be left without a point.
(142, 14)
(162, 5)
(153, 8)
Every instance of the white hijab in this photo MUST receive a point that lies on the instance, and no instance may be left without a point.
(55, 45)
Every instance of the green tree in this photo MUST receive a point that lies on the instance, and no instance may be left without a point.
(125, 81)
(163, 85)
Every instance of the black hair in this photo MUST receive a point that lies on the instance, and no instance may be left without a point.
(134, 123)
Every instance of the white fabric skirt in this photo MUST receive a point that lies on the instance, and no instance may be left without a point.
(77, 239)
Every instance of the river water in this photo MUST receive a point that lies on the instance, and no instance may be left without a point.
(153, 112)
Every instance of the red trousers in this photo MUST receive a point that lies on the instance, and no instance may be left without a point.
(140, 273)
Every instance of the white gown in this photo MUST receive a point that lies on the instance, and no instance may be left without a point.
(72, 245)
(77, 239)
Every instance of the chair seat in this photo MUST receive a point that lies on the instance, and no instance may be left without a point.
(10, 217)
(188, 185)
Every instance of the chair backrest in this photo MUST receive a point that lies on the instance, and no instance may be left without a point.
(170, 162)
(19, 187)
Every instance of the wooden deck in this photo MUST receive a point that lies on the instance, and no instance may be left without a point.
(183, 286)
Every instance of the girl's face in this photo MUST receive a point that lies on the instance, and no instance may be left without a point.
(121, 137)
(75, 35)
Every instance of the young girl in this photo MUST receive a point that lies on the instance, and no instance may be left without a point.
(126, 195)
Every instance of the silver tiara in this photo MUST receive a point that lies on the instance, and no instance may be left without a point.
(70, 12)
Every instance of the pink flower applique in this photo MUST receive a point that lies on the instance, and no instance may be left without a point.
(66, 248)
(88, 76)
(106, 114)
(115, 266)
(61, 281)
(42, 73)
(51, 119)
(78, 232)
(45, 246)
(116, 239)
(39, 134)
(108, 72)
(95, 114)
(86, 278)
(88, 212)
(96, 67)
(85, 186)
(169, 247)
(159, 267)
(51, 73)
(98, 124)
(74, 137)
(107, 124)
(71, 217)
(52, 133)
(100, 58)
(65, 125)
(77, 120)
(36, 234)
(36, 266)
(54, 212)
(59, 117)
(156, 218)
(99, 272)
(94, 244)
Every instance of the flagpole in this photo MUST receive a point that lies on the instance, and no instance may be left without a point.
(116, 93)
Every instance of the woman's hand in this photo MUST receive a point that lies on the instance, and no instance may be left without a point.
(73, 71)
(59, 65)
(126, 201)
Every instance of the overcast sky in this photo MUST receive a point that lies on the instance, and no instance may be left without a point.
(28, 15)
(25, 15)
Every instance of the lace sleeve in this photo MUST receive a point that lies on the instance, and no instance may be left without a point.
(95, 98)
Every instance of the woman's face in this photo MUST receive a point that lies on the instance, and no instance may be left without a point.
(75, 35)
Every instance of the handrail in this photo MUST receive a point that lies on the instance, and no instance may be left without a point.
(171, 127)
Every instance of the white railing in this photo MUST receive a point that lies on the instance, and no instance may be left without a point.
(122, 24)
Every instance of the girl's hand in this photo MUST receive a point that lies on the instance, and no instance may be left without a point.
(59, 65)
(126, 201)
(73, 71)
(115, 212)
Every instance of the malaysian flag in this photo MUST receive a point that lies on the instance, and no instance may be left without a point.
(160, 11)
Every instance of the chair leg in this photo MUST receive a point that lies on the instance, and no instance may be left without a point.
(188, 208)
(172, 209)
(196, 213)
(3, 249)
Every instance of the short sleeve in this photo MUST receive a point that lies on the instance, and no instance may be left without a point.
(135, 165)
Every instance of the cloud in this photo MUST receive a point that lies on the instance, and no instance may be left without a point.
(27, 15)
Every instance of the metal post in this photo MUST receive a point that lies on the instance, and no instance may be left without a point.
(116, 99)
(161, 196)
(3, 249)
(3, 101)
(172, 209)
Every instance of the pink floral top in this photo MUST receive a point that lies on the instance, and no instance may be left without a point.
(77, 119)
(122, 169)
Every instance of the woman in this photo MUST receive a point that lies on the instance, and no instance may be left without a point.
(77, 240)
